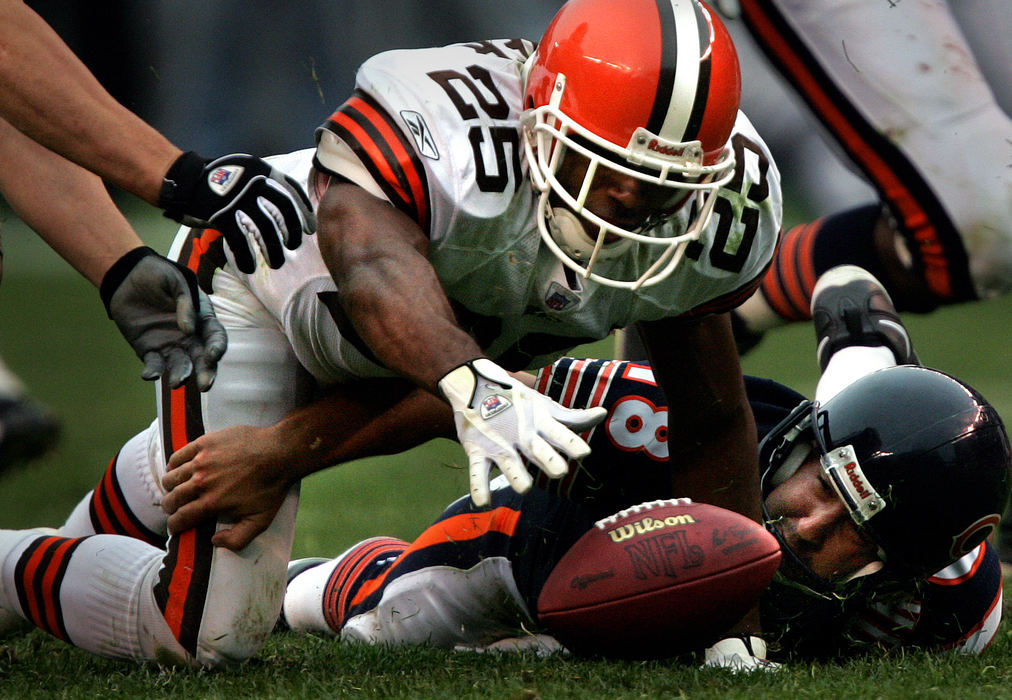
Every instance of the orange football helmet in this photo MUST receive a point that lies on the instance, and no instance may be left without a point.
(647, 88)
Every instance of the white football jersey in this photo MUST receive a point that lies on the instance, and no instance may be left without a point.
(438, 132)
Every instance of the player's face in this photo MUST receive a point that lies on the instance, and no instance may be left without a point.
(619, 199)
(815, 523)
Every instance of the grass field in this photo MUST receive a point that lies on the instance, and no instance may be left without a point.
(54, 333)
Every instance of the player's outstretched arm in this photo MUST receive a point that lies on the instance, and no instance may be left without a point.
(241, 474)
(499, 419)
(712, 440)
(393, 297)
(711, 430)
(154, 302)
(48, 94)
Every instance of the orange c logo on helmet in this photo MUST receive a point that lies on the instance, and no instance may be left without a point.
(973, 535)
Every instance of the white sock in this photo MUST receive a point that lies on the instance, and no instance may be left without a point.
(850, 364)
(303, 606)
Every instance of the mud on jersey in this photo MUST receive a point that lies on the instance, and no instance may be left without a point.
(438, 131)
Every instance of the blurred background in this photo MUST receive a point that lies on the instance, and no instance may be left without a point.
(259, 76)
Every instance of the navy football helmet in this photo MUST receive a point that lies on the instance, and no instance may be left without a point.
(921, 460)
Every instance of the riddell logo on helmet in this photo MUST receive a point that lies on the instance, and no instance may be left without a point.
(855, 478)
(665, 150)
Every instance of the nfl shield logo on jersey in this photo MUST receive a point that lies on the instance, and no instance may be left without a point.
(494, 405)
(221, 180)
(559, 298)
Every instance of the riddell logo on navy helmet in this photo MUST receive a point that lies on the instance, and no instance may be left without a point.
(855, 478)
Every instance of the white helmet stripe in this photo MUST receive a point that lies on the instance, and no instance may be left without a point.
(687, 62)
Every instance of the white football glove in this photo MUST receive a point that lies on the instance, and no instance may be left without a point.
(739, 654)
(499, 418)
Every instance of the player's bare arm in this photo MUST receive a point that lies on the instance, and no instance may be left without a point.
(47, 93)
(169, 324)
(81, 224)
(241, 474)
(387, 287)
(711, 430)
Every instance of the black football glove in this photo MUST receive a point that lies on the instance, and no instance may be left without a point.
(243, 197)
(165, 317)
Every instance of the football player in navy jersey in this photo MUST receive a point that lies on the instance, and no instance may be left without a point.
(881, 492)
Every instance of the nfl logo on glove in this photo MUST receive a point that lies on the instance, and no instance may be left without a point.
(493, 405)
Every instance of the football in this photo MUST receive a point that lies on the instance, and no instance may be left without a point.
(658, 579)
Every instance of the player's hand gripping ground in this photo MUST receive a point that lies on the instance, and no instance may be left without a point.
(500, 420)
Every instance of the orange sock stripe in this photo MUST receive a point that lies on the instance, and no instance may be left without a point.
(39, 576)
(787, 287)
(346, 573)
(99, 515)
(457, 528)
(110, 513)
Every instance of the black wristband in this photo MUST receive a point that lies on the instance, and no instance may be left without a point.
(180, 182)
(115, 275)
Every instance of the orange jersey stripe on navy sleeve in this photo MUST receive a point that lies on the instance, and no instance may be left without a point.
(386, 152)
(456, 529)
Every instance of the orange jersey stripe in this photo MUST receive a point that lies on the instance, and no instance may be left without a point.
(405, 159)
(893, 188)
(465, 526)
(175, 605)
(374, 153)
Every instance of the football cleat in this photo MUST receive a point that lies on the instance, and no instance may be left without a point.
(27, 431)
(296, 567)
(851, 307)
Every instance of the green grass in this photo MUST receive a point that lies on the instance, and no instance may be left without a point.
(54, 333)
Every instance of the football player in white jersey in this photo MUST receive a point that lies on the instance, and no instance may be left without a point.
(482, 207)
(881, 492)
(896, 85)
